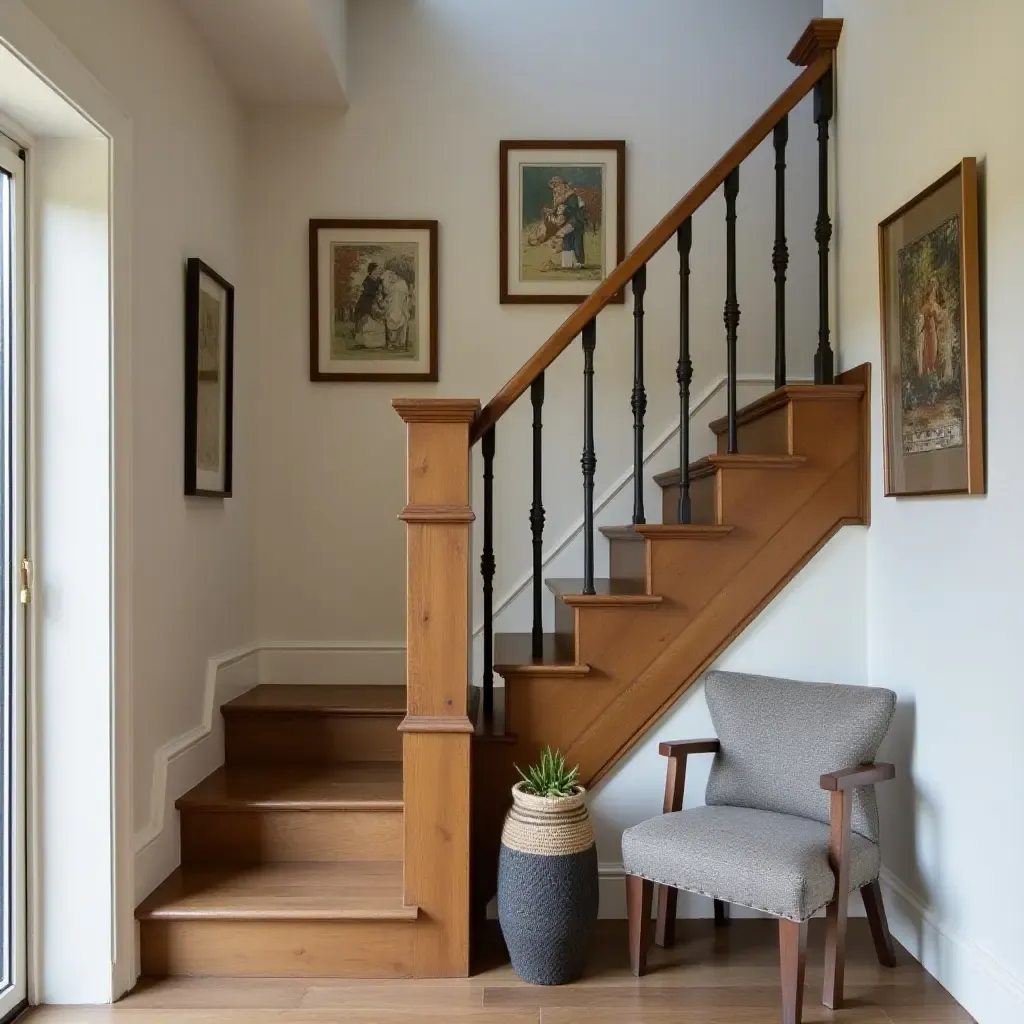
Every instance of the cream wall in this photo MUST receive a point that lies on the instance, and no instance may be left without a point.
(433, 86)
(191, 558)
(923, 83)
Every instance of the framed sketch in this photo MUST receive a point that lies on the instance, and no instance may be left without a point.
(209, 385)
(562, 219)
(372, 300)
(931, 340)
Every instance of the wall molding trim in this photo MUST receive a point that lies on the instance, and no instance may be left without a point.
(983, 986)
(626, 479)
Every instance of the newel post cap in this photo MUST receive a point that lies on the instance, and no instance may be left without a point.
(437, 410)
(820, 37)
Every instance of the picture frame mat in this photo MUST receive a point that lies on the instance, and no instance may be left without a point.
(514, 157)
(325, 237)
(214, 481)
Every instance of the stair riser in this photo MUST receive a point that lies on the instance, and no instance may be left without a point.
(217, 837)
(627, 560)
(565, 621)
(257, 948)
(770, 434)
(703, 502)
(300, 738)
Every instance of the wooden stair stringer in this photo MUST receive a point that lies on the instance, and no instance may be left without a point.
(620, 724)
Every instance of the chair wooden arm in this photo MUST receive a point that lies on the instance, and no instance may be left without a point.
(862, 775)
(841, 786)
(675, 777)
(680, 748)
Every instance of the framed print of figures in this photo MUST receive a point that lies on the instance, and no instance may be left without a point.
(209, 385)
(563, 218)
(372, 300)
(931, 340)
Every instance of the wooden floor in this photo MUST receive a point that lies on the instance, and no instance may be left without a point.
(728, 977)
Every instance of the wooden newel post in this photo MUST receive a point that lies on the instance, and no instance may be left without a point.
(437, 730)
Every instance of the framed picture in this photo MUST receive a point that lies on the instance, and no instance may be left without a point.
(209, 385)
(563, 218)
(373, 300)
(931, 340)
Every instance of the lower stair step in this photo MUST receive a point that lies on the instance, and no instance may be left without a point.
(280, 920)
(359, 890)
(244, 814)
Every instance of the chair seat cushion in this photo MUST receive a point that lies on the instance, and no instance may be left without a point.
(777, 863)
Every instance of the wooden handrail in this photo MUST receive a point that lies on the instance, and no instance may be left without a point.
(647, 247)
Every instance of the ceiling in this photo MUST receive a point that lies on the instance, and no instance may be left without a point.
(33, 105)
(276, 51)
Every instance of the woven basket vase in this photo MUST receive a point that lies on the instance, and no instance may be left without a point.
(547, 886)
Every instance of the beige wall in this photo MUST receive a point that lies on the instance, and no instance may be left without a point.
(433, 87)
(923, 83)
(191, 558)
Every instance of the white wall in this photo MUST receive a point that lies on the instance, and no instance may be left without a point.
(923, 83)
(433, 87)
(191, 576)
(72, 671)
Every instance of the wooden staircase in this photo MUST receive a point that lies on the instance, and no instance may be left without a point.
(353, 831)
(677, 596)
(291, 854)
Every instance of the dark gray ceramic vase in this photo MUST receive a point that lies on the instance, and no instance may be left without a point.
(547, 886)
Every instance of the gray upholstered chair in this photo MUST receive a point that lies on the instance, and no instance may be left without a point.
(790, 824)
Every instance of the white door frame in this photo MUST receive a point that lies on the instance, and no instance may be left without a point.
(14, 902)
(33, 42)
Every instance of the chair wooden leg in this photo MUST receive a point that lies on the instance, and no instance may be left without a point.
(792, 961)
(665, 930)
(639, 895)
(721, 914)
(875, 908)
(835, 952)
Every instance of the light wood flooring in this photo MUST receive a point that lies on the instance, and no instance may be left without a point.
(725, 977)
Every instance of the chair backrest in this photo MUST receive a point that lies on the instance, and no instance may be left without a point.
(780, 736)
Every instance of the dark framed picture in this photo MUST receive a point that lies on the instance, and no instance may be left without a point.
(209, 380)
(930, 288)
(372, 300)
(562, 218)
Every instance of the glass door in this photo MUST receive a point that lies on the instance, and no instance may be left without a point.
(15, 579)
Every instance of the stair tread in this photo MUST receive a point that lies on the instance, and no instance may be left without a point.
(332, 699)
(666, 531)
(790, 393)
(607, 592)
(350, 890)
(712, 463)
(513, 652)
(361, 785)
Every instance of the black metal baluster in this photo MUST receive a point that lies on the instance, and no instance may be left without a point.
(732, 306)
(824, 367)
(589, 459)
(537, 518)
(780, 251)
(639, 397)
(684, 368)
(487, 570)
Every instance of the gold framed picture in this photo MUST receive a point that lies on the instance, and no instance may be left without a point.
(929, 277)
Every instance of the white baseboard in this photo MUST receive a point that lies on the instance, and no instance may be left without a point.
(184, 761)
(374, 662)
(689, 906)
(983, 986)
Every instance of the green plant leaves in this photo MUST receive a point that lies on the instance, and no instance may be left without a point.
(549, 776)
